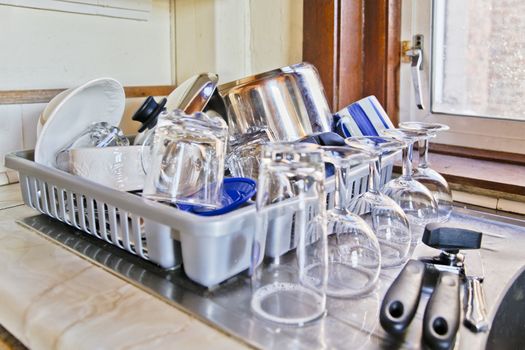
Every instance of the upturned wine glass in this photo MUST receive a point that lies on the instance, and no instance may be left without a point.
(413, 197)
(425, 174)
(354, 257)
(385, 217)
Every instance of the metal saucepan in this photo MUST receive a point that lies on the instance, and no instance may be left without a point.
(288, 103)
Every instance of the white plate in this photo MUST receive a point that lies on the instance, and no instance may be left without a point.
(73, 111)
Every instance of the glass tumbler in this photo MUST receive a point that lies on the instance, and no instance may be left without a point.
(99, 135)
(186, 164)
(244, 155)
(290, 289)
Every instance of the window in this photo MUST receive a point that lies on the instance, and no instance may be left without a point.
(473, 76)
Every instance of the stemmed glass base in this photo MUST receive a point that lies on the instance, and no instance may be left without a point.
(417, 202)
(439, 188)
(353, 255)
(389, 224)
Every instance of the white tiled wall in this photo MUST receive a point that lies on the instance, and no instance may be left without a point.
(11, 133)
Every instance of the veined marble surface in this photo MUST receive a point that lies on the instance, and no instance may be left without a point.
(51, 298)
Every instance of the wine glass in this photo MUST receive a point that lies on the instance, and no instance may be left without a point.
(413, 197)
(428, 176)
(354, 257)
(385, 217)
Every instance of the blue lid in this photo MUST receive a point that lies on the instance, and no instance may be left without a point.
(236, 191)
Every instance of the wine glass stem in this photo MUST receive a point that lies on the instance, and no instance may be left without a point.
(407, 161)
(423, 153)
(374, 175)
(341, 191)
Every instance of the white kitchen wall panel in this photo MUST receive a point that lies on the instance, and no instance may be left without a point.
(129, 9)
(10, 131)
(54, 50)
(236, 38)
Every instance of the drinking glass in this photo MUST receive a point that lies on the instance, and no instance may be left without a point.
(413, 197)
(290, 289)
(428, 176)
(99, 135)
(245, 151)
(187, 160)
(354, 257)
(385, 217)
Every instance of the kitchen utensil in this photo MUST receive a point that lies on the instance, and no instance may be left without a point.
(147, 114)
(291, 182)
(428, 176)
(450, 240)
(402, 298)
(365, 117)
(193, 95)
(476, 313)
(442, 311)
(236, 191)
(441, 319)
(116, 167)
(414, 198)
(99, 100)
(187, 160)
(354, 257)
(385, 217)
(289, 102)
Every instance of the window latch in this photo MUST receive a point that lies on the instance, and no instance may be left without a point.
(414, 55)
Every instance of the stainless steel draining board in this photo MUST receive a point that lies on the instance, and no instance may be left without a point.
(349, 323)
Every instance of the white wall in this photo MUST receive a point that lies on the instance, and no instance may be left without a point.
(237, 38)
(49, 49)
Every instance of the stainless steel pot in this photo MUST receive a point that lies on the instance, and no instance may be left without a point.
(287, 103)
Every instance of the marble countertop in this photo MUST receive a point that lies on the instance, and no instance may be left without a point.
(51, 298)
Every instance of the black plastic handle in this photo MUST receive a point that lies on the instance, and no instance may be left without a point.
(449, 238)
(442, 314)
(402, 298)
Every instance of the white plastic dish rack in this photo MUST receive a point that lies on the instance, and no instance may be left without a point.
(210, 249)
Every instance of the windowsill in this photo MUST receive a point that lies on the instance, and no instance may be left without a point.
(484, 178)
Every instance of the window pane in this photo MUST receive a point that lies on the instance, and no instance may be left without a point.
(479, 58)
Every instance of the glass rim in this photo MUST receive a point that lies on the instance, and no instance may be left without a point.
(292, 147)
(349, 155)
(428, 127)
(390, 144)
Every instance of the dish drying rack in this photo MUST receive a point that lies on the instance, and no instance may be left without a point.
(210, 249)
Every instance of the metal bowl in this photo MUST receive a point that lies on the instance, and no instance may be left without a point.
(287, 103)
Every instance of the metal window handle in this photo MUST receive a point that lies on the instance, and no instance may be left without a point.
(415, 68)
(415, 55)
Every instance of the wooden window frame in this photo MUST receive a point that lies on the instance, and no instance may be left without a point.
(356, 46)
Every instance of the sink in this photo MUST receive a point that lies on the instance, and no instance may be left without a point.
(508, 327)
